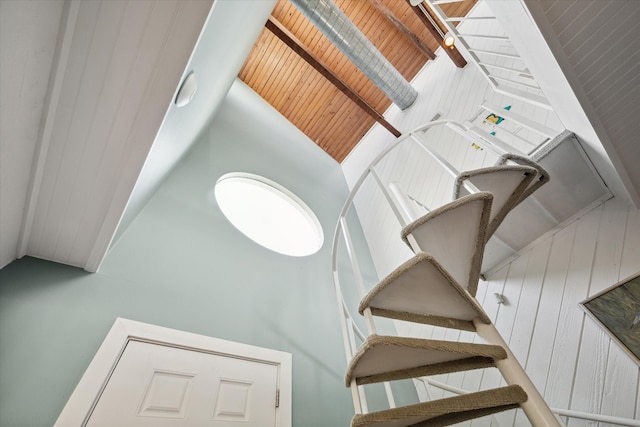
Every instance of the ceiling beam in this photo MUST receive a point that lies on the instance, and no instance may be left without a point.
(453, 53)
(296, 45)
(387, 13)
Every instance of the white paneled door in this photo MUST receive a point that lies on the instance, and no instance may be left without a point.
(158, 385)
(148, 375)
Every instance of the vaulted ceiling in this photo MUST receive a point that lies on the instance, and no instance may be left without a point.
(87, 90)
(311, 101)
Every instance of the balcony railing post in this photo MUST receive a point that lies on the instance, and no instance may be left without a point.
(404, 201)
(389, 198)
(357, 273)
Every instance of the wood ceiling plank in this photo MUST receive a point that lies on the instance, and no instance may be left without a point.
(346, 148)
(296, 22)
(311, 107)
(309, 93)
(295, 78)
(457, 9)
(264, 50)
(326, 134)
(332, 111)
(358, 130)
(274, 26)
(357, 127)
(306, 98)
(390, 15)
(273, 72)
(247, 73)
(399, 54)
(403, 11)
(323, 106)
(353, 9)
(297, 97)
(341, 66)
(304, 93)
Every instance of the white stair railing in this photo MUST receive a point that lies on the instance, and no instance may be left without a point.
(535, 408)
(350, 330)
(492, 53)
(405, 212)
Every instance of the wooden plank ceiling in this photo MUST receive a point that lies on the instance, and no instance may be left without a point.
(310, 101)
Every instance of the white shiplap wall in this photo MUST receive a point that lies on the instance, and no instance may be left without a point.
(570, 359)
(80, 148)
(600, 39)
(28, 32)
(596, 44)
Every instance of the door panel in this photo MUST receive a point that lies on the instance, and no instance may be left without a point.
(156, 385)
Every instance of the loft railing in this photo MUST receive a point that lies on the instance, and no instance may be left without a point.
(484, 44)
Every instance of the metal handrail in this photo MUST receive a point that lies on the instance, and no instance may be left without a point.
(348, 325)
(349, 328)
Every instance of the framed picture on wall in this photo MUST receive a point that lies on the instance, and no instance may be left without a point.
(617, 311)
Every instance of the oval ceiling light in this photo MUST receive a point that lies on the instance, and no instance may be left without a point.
(187, 90)
(269, 214)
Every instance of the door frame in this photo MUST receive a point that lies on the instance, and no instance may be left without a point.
(86, 394)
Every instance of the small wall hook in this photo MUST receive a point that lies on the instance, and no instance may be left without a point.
(500, 299)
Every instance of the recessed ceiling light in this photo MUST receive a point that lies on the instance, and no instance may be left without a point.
(187, 90)
(448, 41)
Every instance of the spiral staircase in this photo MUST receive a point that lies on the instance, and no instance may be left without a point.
(511, 184)
(437, 286)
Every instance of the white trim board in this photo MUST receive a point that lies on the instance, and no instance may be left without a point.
(86, 394)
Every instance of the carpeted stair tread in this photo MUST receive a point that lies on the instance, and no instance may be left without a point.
(541, 178)
(507, 183)
(422, 291)
(455, 235)
(389, 358)
(444, 412)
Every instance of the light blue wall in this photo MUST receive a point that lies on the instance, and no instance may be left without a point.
(180, 264)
